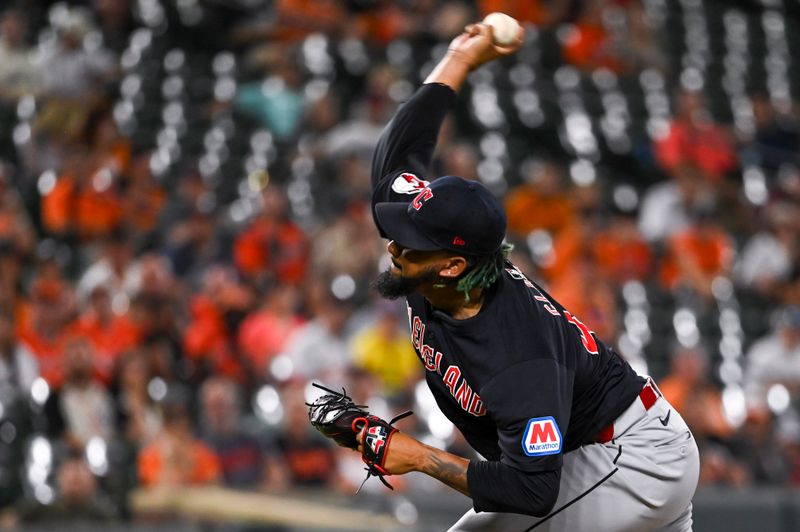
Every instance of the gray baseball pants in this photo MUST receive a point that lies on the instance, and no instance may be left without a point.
(642, 480)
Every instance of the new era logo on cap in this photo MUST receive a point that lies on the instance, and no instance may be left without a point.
(450, 213)
(541, 437)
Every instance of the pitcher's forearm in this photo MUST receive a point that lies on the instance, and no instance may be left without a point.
(445, 467)
(452, 71)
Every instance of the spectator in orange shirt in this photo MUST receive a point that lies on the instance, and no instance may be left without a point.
(588, 294)
(687, 388)
(176, 457)
(264, 332)
(85, 199)
(82, 202)
(44, 330)
(589, 45)
(574, 239)
(209, 337)
(110, 334)
(541, 202)
(272, 247)
(620, 251)
(697, 255)
(98, 205)
(574, 276)
(57, 203)
(694, 139)
(98, 200)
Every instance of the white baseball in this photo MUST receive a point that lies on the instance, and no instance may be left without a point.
(504, 28)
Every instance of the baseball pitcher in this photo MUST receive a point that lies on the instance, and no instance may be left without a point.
(573, 438)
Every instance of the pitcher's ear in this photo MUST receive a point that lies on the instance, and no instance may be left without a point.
(454, 266)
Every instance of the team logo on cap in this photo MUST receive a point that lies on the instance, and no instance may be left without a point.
(421, 198)
(541, 437)
(407, 183)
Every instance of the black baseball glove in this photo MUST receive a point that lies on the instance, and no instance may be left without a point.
(337, 417)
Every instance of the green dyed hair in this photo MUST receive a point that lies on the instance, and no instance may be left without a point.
(484, 271)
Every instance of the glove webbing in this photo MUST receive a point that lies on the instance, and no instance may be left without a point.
(342, 400)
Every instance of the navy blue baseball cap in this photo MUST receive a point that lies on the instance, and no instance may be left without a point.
(452, 213)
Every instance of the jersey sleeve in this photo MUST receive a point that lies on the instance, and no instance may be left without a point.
(496, 487)
(530, 403)
(405, 148)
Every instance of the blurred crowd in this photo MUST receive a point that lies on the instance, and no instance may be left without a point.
(186, 239)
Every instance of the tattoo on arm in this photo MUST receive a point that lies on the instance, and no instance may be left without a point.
(450, 469)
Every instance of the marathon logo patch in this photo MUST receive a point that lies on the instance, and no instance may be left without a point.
(541, 437)
(407, 183)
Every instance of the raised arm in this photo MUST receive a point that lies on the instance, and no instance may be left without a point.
(407, 143)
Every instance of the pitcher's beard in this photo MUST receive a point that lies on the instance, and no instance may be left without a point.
(394, 287)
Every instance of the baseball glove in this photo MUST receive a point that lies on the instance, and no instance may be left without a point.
(336, 416)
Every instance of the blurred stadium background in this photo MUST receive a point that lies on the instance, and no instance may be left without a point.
(185, 241)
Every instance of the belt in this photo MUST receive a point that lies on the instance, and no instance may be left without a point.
(648, 397)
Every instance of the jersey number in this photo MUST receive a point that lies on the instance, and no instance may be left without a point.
(586, 335)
